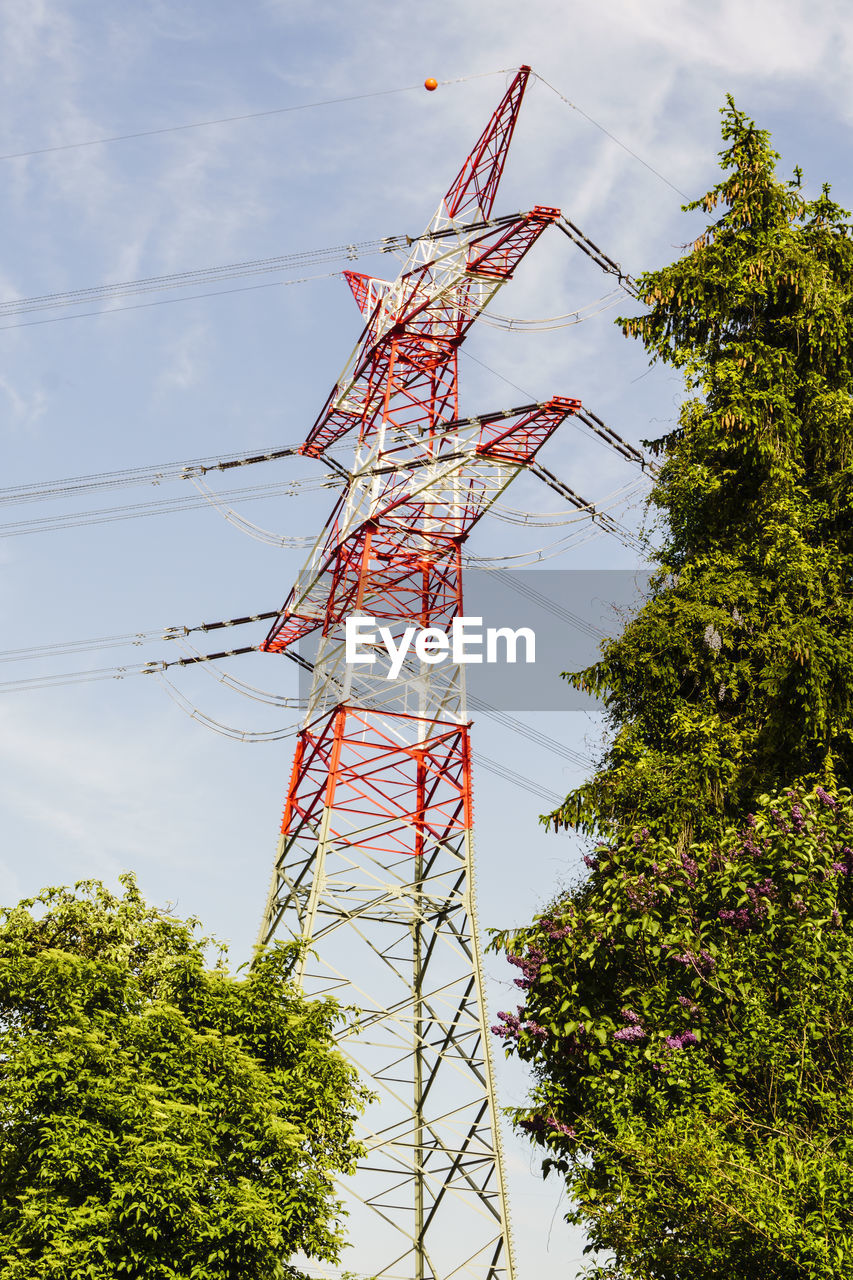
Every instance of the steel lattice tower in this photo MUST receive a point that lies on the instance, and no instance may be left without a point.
(375, 861)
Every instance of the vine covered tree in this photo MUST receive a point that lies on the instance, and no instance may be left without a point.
(160, 1118)
(688, 1007)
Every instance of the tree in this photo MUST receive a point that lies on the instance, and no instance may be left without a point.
(160, 1118)
(688, 1006)
(738, 674)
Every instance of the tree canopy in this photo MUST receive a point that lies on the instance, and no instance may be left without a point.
(688, 1005)
(160, 1118)
(738, 674)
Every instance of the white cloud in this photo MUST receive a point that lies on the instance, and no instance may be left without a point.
(25, 408)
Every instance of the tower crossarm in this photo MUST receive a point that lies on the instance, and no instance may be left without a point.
(396, 513)
(421, 320)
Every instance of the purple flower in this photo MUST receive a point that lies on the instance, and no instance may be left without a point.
(740, 919)
(529, 966)
(629, 1034)
(684, 1041)
(797, 817)
(826, 799)
(781, 822)
(757, 893)
(512, 1024)
(641, 894)
(690, 867)
(628, 1015)
(552, 930)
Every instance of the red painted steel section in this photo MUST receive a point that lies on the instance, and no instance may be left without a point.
(420, 347)
(399, 791)
(474, 189)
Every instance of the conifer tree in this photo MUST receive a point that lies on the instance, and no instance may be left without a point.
(688, 1005)
(737, 676)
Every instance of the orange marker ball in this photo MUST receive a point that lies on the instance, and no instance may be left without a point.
(430, 84)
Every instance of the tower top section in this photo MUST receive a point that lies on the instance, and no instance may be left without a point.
(472, 193)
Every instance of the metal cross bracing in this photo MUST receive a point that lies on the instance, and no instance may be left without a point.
(375, 862)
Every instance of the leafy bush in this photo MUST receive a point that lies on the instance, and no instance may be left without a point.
(159, 1118)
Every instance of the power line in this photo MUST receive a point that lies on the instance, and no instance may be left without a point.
(610, 135)
(168, 506)
(527, 731)
(156, 473)
(200, 275)
(204, 124)
(517, 779)
(585, 417)
(328, 102)
(185, 279)
(232, 270)
(165, 302)
(505, 772)
(160, 472)
(580, 504)
(598, 256)
(64, 648)
(195, 468)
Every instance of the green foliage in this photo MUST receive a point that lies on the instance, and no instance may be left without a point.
(737, 675)
(690, 1019)
(159, 1118)
(688, 1009)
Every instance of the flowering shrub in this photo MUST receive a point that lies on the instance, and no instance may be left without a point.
(693, 1045)
(691, 1014)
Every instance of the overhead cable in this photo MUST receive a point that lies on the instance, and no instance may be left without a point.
(581, 419)
(156, 473)
(581, 504)
(164, 506)
(164, 302)
(64, 648)
(527, 731)
(299, 260)
(523, 587)
(251, 736)
(609, 436)
(610, 135)
(598, 256)
(517, 779)
(251, 115)
(328, 102)
(187, 469)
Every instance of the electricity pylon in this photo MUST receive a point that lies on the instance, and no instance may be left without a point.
(375, 862)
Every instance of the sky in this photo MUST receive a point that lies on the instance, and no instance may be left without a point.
(112, 774)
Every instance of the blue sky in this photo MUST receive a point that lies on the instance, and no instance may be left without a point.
(108, 775)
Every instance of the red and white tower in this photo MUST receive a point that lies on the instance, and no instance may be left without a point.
(375, 862)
